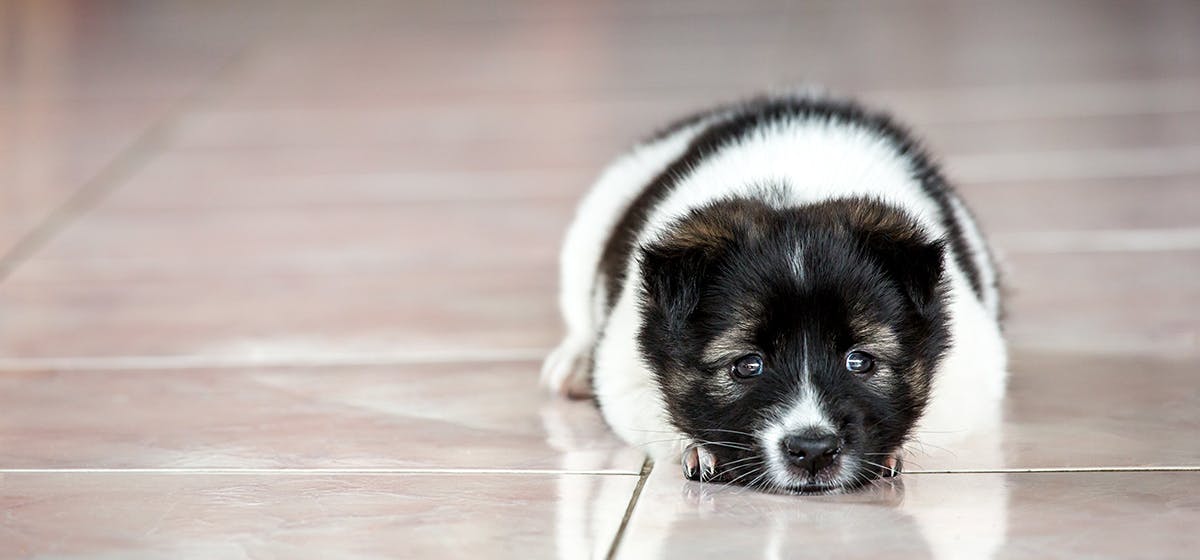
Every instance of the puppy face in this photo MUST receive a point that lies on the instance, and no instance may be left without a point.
(795, 346)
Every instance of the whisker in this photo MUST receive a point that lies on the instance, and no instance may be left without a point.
(728, 431)
(744, 466)
(727, 444)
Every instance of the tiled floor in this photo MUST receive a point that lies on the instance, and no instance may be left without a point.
(275, 278)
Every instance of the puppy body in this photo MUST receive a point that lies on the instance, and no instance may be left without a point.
(801, 234)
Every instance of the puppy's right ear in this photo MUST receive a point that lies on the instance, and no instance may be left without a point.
(675, 267)
(673, 278)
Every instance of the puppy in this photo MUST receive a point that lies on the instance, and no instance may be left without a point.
(780, 293)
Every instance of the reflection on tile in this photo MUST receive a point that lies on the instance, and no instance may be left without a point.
(415, 516)
(1075, 515)
(478, 416)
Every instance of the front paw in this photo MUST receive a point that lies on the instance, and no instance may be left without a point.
(698, 463)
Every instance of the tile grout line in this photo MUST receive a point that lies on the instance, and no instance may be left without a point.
(268, 471)
(312, 471)
(191, 362)
(113, 174)
(1041, 470)
(647, 466)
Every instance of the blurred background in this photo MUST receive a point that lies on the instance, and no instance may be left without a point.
(245, 239)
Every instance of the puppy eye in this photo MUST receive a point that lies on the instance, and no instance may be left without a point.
(747, 367)
(860, 362)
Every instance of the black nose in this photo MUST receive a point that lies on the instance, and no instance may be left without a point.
(812, 452)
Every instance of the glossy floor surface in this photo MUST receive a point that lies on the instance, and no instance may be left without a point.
(275, 278)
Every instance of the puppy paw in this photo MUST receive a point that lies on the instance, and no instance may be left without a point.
(698, 463)
(565, 370)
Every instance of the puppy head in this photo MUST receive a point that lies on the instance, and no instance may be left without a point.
(795, 345)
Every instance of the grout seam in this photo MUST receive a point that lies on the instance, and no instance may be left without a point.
(647, 466)
(192, 362)
(485, 471)
(313, 471)
(1039, 470)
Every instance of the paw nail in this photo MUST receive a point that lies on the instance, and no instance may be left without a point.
(708, 462)
(690, 461)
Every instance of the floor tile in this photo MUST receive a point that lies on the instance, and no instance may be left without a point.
(82, 82)
(477, 233)
(422, 516)
(1148, 203)
(1073, 515)
(456, 416)
(553, 53)
(49, 150)
(1064, 515)
(172, 183)
(1104, 301)
(77, 50)
(451, 312)
(1075, 410)
(472, 126)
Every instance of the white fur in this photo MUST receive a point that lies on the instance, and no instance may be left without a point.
(815, 161)
(581, 294)
(806, 414)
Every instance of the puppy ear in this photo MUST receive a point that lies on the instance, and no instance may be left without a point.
(673, 276)
(901, 246)
(675, 267)
(917, 265)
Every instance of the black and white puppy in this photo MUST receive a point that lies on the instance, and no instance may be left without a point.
(780, 293)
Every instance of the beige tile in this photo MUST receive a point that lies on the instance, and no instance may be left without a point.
(49, 150)
(356, 277)
(454, 312)
(424, 516)
(430, 416)
(427, 130)
(1147, 203)
(74, 50)
(574, 51)
(81, 82)
(1093, 132)
(1104, 301)
(1064, 515)
(416, 233)
(175, 183)
(1075, 410)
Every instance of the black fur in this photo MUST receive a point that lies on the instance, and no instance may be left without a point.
(726, 268)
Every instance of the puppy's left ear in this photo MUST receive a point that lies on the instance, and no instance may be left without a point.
(917, 265)
(900, 245)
